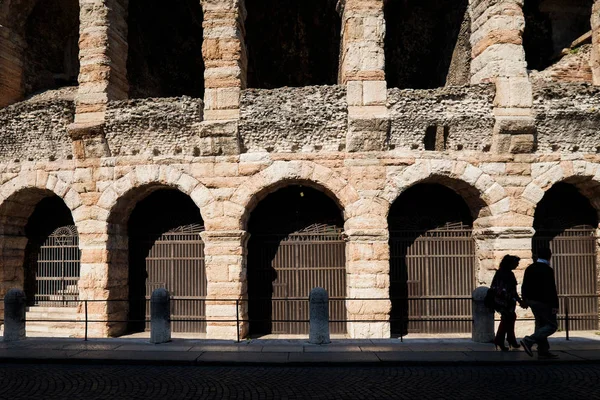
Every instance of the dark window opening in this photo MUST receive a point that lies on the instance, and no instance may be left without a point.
(292, 43)
(436, 138)
(427, 43)
(431, 256)
(165, 49)
(296, 244)
(52, 51)
(163, 211)
(551, 26)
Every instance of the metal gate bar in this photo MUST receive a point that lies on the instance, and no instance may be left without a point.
(58, 269)
(176, 262)
(574, 264)
(432, 266)
(314, 257)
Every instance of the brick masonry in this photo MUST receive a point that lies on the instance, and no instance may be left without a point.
(362, 144)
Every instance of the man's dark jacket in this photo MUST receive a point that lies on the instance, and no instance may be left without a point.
(539, 284)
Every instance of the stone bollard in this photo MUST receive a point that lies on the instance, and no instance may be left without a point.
(319, 316)
(483, 318)
(14, 315)
(160, 316)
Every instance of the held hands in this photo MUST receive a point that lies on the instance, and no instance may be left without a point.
(524, 304)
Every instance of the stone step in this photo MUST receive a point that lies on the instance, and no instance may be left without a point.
(51, 309)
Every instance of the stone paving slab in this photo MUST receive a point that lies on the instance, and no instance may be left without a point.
(333, 358)
(245, 358)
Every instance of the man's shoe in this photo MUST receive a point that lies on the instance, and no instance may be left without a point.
(547, 355)
(527, 348)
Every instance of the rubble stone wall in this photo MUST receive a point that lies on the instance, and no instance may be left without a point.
(466, 110)
(294, 119)
(155, 126)
(567, 117)
(36, 130)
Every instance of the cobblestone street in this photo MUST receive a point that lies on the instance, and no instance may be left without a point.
(437, 382)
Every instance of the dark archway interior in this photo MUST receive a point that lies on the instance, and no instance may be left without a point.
(52, 52)
(292, 43)
(551, 26)
(561, 208)
(165, 49)
(421, 39)
(283, 212)
(420, 209)
(50, 214)
(160, 212)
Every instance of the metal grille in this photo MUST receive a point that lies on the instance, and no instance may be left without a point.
(313, 257)
(574, 263)
(428, 269)
(176, 262)
(58, 268)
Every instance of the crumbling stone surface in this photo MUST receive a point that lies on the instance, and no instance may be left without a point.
(466, 110)
(36, 130)
(572, 67)
(567, 116)
(154, 126)
(294, 119)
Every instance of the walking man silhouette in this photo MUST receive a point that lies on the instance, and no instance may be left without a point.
(539, 293)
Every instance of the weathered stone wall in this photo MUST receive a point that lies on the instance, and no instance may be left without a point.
(466, 110)
(155, 126)
(567, 117)
(36, 130)
(574, 66)
(294, 119)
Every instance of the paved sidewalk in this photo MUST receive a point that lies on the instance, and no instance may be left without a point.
(411, 351)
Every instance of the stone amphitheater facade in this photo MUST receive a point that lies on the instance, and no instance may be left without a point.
(508, 135)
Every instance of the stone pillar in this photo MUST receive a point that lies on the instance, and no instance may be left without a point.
(14, 315)
(225, 260)
(595, 61)
(11, 66)
(368, 274)
(104, 275)
(483, 318)
(319, 316)
(499, 57)
(103, 72)
(362, 69)
(225, 61)
(160, 316)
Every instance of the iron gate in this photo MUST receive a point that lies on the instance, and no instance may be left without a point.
(58, 268)
(574, 264)
(430, 271)
(176, 262)
(313, 257)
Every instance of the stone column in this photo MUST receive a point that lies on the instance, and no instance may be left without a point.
(11, 66)
(103, 72)
(595, 61)
(368, 274)
(225, 260)
(225, 63)
(499, 57)
(362, 69)
(104, 275)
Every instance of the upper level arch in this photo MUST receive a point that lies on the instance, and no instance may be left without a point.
(427, 43)
(292, 43)
(165, 48)
(551, 26)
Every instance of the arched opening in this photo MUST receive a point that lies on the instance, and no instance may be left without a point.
(432, 261)
(52, 256)
(292, 43)
(551, 26)
(566, 222)
(51, 56)
(427, 43)
(166, 251)
(296, 243)
(165, 48)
